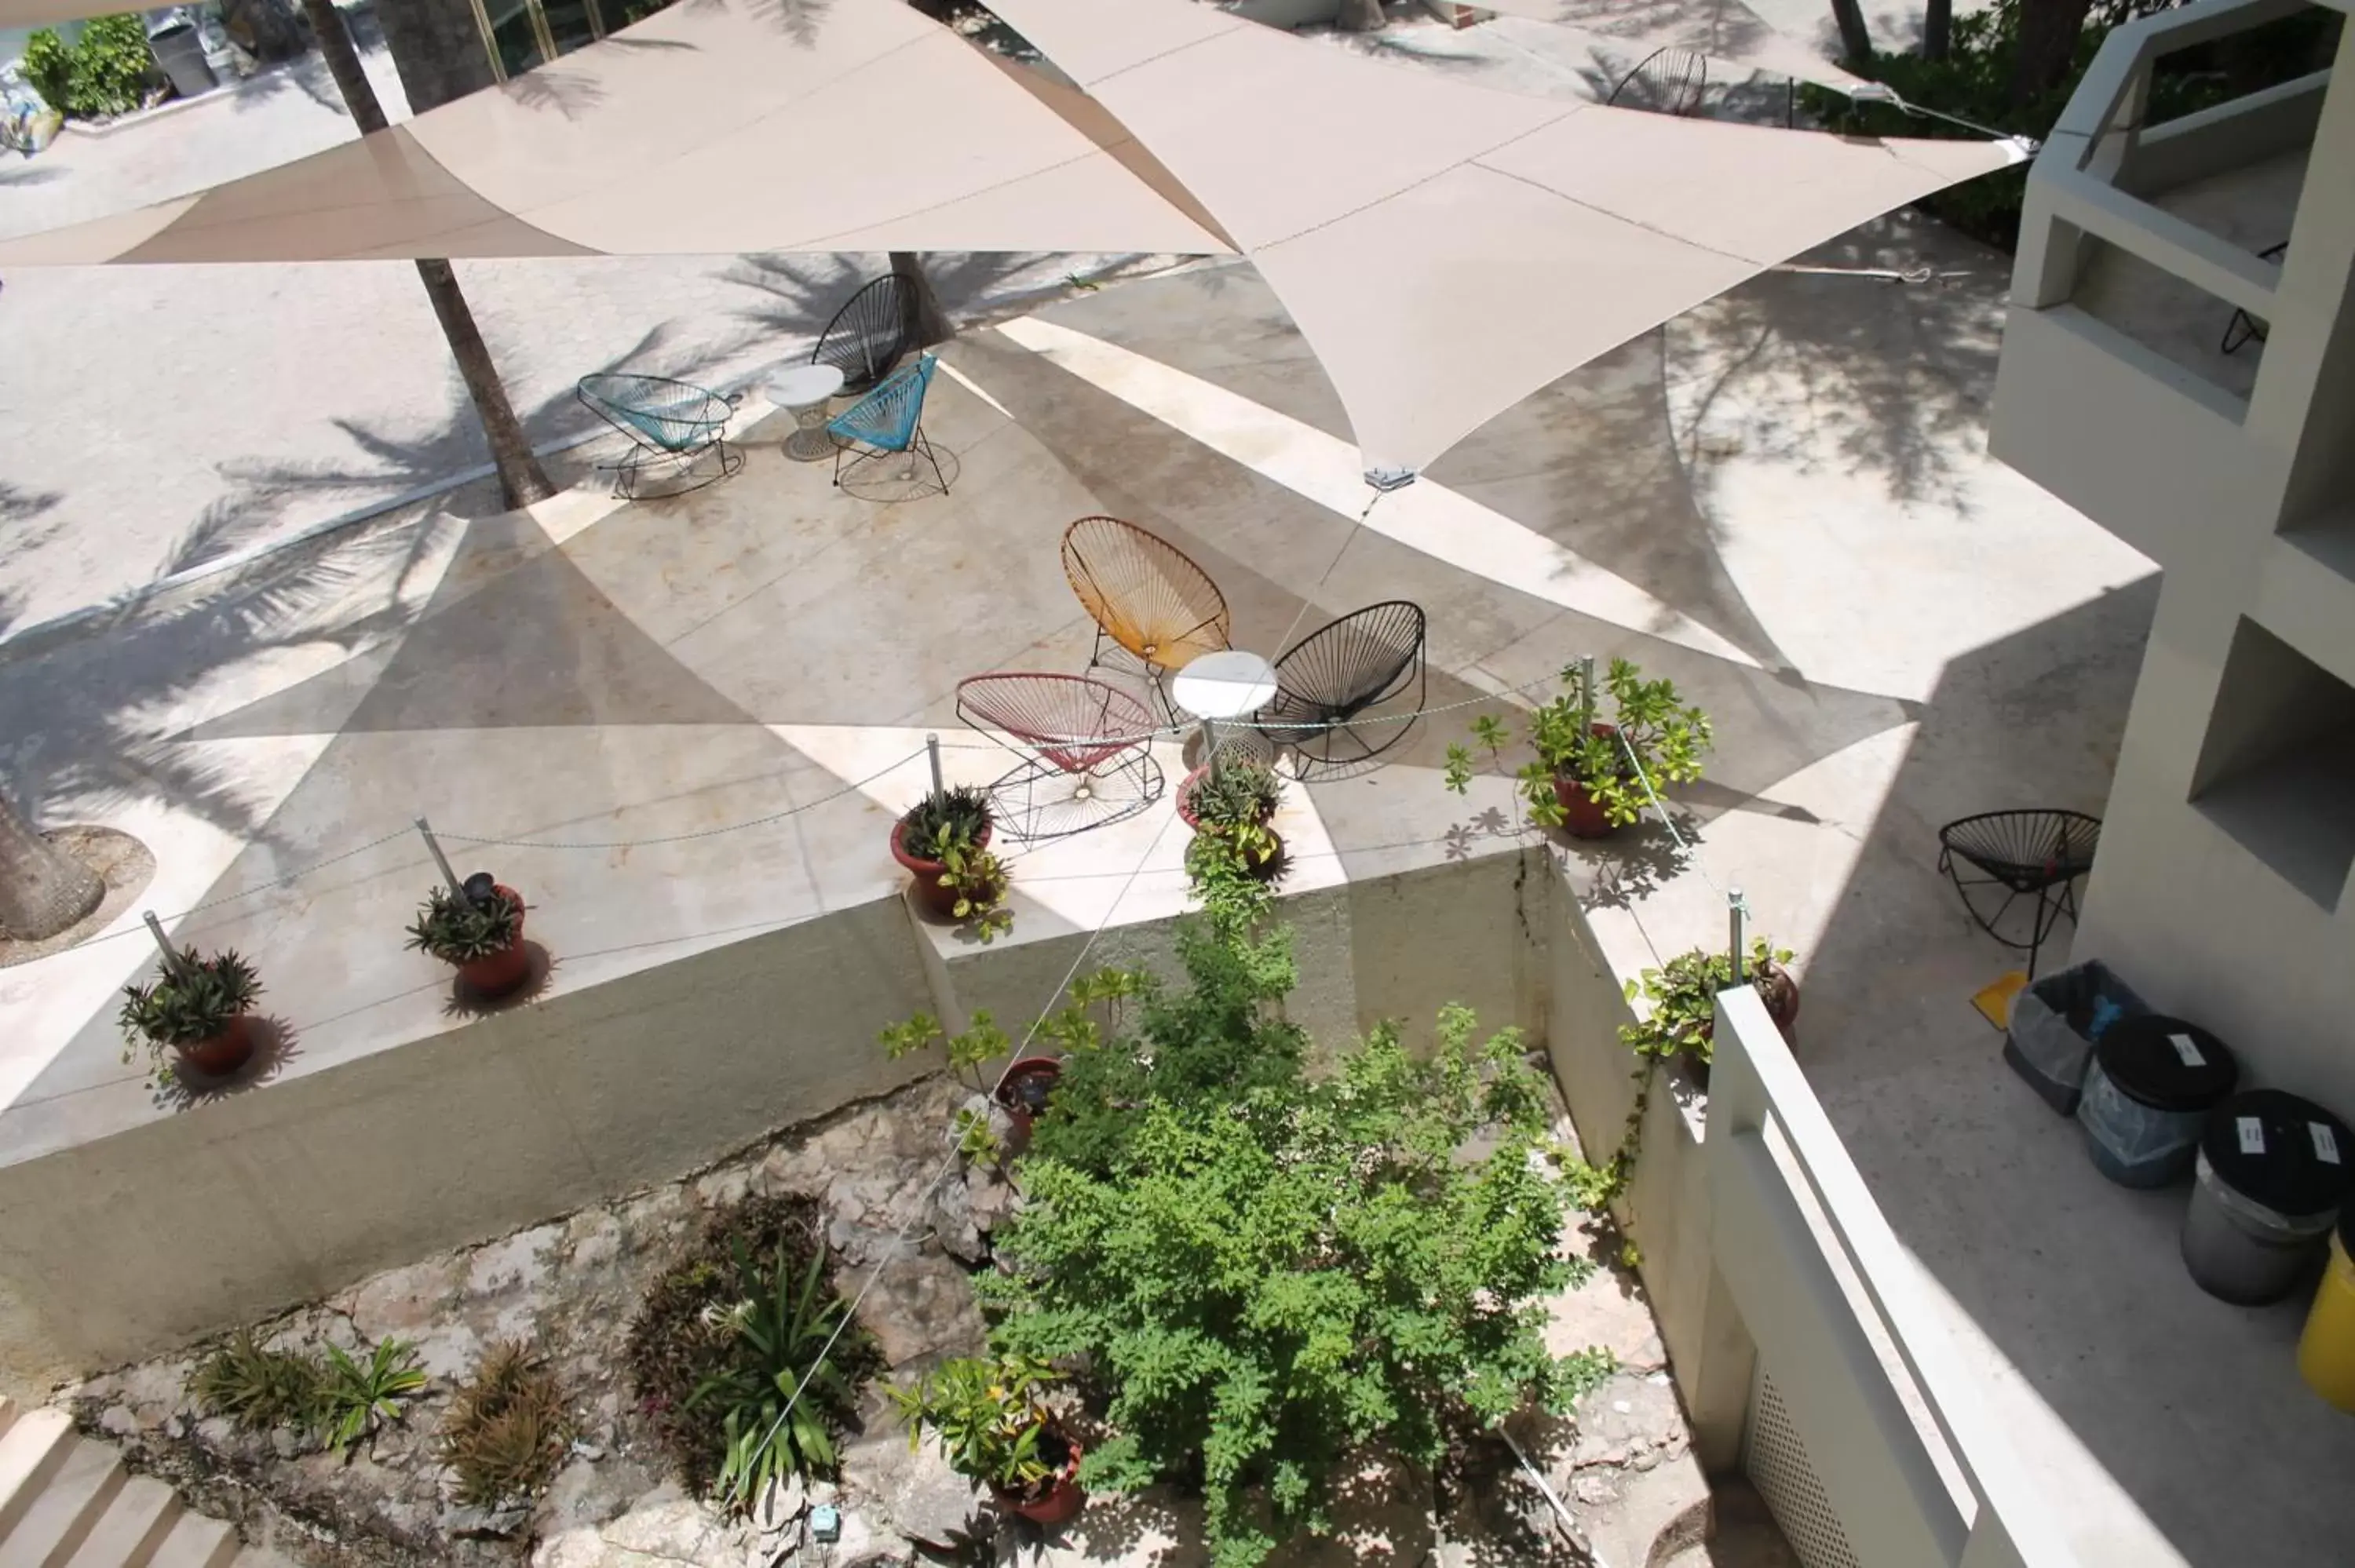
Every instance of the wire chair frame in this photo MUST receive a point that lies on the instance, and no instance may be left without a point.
(670, 424)
(1146, 596)
(1674, 82)
(871, 333)
(888, 420)
(1089, 760)
(2039, 853)
(1342, 672)
(2243, 329)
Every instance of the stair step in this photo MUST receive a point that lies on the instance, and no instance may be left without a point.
(35, 1444)
(196, 1541)
(133, 1527)
(61, 1517)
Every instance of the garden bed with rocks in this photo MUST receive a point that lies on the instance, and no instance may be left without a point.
(887, 1185)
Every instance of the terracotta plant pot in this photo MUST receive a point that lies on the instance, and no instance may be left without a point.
(1780, 995)
(1036, 1075)
(1583, 816)
(221, 1054)
(1059, 1498)
(931, 896)
(494, 975)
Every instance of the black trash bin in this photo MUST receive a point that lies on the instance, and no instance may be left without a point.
(2272, 1172)
(2058, 1021)
(2147, 1094)
(179, 49)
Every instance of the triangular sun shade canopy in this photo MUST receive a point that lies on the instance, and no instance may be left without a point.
(717, 127)
(1448, 248)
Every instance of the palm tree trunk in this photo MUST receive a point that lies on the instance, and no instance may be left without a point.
(43, 890)
(521, 479)
(2048, 44)
(933, 323)
(1856, 41)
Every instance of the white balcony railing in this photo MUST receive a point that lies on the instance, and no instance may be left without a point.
(1906, 1454)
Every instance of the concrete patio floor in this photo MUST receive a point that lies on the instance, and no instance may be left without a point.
(1781, 500)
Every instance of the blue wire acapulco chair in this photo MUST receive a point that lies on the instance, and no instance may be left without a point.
(887, 421)
(670, 424)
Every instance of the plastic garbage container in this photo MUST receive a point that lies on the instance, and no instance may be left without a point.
(180, 50)
(2272, 1172)
(2056, 1024)
(2152, 1083)
(2326, 1351)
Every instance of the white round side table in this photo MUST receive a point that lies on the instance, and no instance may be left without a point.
(804, 391)
(1230, 684)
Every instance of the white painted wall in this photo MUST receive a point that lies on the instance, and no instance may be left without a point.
(2249, 505)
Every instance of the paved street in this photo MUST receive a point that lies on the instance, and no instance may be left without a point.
(154, 417)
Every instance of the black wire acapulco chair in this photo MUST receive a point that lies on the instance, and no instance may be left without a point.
(1671, 80)
(870, 334)
(670, 424)
(1330, 683)
(2039, 852)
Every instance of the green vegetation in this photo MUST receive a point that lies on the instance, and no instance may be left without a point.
(1650, 733)
(1263, 1272)
(980, 881)
(1980, 79)
(1682, 994)
(727, 1335)
(458, 929)
(944, 818)
(188, 1005)
(986, 1417)
(337, 1400)
(104, 73)
(508, 1429)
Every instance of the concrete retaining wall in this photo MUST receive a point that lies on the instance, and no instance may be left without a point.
(127, 1245)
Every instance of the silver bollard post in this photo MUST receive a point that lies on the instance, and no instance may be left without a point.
(434, 845)
(172, 957)
(1211, 747)
(1734, 910)
(1586, 689)
(933, 749)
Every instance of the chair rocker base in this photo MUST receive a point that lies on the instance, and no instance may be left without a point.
(859, 453)
(1038, 801)
(645, 460)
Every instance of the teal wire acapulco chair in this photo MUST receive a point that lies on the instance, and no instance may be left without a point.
(887, 421)
(671, 424)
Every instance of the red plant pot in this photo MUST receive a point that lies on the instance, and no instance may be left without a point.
(221, 1055)
(1582, 817)
(494, 975)
(1060, 1498)
(1046, 1069)
(1780, 995)
(931, 896)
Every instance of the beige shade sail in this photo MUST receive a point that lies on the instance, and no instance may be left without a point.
(1448, 248)
(719, 127)
(1724, 30)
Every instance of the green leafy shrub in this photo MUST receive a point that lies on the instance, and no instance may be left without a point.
(1649, 724)
(507, 1429)
(1263, 1272)
(726, 1335)
(986, 1417)
(110, 67)
(49, 66)
(1682, 994)
(1975, 83)
(981, 883)
(260, 1389)
(954, 816)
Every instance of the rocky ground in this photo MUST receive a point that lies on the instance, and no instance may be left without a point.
(892, 1188)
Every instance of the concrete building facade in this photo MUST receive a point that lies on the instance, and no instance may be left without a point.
(2179, 365)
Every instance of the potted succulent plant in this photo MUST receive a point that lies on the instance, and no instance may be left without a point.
(1236, 803)
(1682, 997)
(943, 819)
(1589, 776)
(993, 1429)
(479, 930)
(197, 1009)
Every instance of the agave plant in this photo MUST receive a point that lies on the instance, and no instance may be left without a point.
(782, 1324)
(945, 819)
(190, 1001)
(458, 928)
(507, 1427)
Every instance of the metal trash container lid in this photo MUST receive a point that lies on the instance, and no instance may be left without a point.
(2286, 1153)
(2167, 1063)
